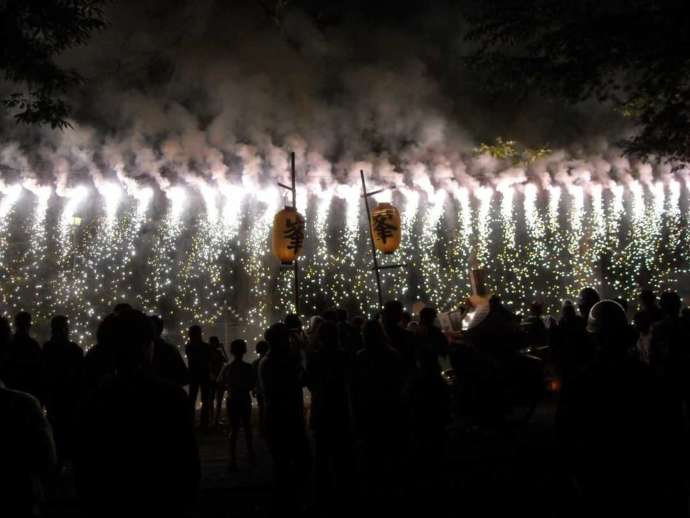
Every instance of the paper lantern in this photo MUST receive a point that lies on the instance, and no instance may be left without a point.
(385, 227)
(288, 235)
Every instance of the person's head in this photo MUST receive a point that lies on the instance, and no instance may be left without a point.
(406, 318)
(341, 315)
(495, 301)
(214, 341)
(647, 299)
(392, 313)
(194, 333)
(133, 336)
(568, 310)
(22, 322)
(293, 322)
(329, 314)
(623, 303)
(357, 322)
(157, 323)
(588, 297)
(106, 331)
(427, 316)
(608, 324)
(373, 335)
(314, 323)
(670, 303)
(328, 336)
(5, 330)
(238, 348)
(261, 348)
(278, 338)
(642, 322)
(59, 327)
(536, 309)
(122, 306)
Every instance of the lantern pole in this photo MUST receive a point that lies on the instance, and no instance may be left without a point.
(293, 189)
(371, 237)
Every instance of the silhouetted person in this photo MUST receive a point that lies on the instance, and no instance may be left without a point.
(685, 315)
(5, 341)
(99, 361)
(427, 399)
(137, 452)
(167, 362)
(588, 297)
(327, 379)
(406, 319)
(199, 363)
(670, 346)
(280, 375)
(261, 349)
(622, 302)
(62, 369)
(298, 340)
(534, 327)
(400, 339)
(620, 430)
(378, 384)
(569, 342)
(356, 325)
(218, 358)
(431, 340)
(121, 307)
(486, 356)
(24, 363)
(649, 312)
(27, 453)
(312, 334)
(239, 379)
(346, 333)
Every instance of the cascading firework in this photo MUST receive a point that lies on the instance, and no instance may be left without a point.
(199, 252)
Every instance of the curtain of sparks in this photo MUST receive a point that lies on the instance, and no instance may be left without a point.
(200, 253)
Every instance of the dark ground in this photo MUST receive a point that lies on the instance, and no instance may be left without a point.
(486, 473)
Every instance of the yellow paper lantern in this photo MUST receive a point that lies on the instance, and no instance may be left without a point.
(288, 235)
(385, 227)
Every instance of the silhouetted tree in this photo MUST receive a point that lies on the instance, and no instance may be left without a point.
(632, 54)
(32, 35)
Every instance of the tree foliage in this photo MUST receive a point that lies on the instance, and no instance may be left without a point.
(32, 34)
(632, 54)
(513, 151)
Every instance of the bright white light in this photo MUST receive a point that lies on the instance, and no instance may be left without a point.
(507, 195)
(11, 196)
(302, 201)
(637, 201)
(143, 195)
(659, 197)
(437, 203)
(233, 195)
(178, 201)
(385, 196)
(462, 195)
(530, 206)
(269, 196)
(209, 195)
(323, 208)
(74, 196)
(112, 194)
(674, 198)
(577, 207)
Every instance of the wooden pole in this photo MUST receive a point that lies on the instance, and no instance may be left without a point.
(295, 266)
(371, 237)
